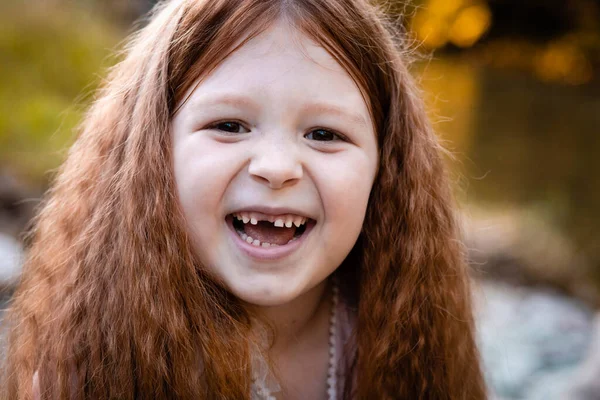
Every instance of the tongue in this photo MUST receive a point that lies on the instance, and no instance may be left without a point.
(269, 233)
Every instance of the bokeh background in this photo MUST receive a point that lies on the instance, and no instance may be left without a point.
(513, 89)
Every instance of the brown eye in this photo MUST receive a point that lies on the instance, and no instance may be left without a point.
(228, 126)
(322, 135)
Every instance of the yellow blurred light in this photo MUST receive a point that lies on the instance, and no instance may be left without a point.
(470, 24)
(452, 89)
(431, 31)
(444, 8)
(563, 61)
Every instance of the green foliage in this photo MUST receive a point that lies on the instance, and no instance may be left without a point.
(51, 60)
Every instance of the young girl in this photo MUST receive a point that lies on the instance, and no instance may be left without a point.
(255, 207)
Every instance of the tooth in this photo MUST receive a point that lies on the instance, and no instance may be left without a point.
(265, 244)
(253, 221)
(298, 221)
(303, 221)
(245, 218)
(249, 239)
(244, 235)
(288, 222)
(256, 242)
(279, 222)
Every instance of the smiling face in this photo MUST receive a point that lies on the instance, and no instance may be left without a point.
(278, 134)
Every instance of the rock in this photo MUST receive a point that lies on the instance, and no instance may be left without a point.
(585, 384)
(550, 385)
(531, 340)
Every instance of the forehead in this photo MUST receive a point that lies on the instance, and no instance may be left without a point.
(283, 62)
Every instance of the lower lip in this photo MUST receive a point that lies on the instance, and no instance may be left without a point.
(268, 253)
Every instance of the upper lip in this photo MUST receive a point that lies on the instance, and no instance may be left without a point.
(272, 210)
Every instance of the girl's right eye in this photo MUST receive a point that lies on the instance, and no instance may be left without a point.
(227, 126)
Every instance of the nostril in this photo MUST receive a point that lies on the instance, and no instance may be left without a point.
(276, 170)
(260, 179)
(276, 183)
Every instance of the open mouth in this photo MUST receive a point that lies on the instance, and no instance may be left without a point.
(262, 230)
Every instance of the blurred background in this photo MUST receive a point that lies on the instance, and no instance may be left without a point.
(513, 89)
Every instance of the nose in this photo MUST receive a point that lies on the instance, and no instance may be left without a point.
(276, 164)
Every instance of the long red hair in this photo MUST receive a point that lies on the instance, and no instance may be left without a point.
(112, 294)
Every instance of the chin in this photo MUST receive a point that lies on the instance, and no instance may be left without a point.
(265, 295)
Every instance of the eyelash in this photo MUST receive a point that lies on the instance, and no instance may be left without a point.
(335, 134)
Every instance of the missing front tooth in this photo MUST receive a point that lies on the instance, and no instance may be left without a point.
(300, 230)
(239, 225)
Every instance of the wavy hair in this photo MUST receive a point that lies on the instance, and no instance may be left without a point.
(113, 303)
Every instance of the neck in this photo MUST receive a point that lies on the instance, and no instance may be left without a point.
(295, 320)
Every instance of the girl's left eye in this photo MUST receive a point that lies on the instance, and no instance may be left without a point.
(228, 126)
(323, 135)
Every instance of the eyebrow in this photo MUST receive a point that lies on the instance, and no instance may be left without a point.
(245, 102)
(229, 99)
(324, 108)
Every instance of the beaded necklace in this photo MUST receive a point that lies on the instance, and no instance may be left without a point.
(260, 391)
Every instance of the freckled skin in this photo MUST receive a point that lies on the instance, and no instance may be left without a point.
(272, 158)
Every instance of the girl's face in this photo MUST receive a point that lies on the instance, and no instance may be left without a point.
(277, 135)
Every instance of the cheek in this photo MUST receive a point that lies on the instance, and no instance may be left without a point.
(203, 168)
(348, 189)
(202, 172)
(345, 195)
